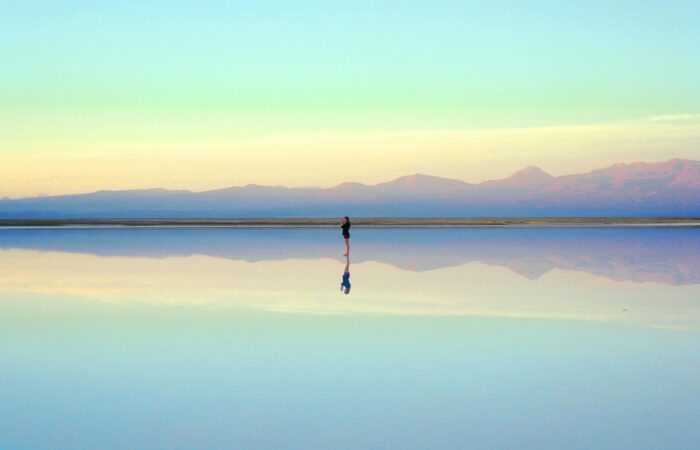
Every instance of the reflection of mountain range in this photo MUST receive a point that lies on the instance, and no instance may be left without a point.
(639, 189)
(663, 255)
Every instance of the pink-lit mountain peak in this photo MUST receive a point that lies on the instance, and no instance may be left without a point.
(349, 185)
(421, 182)
(350, 188)
(530, 174)
(674, 172)
(531, 177)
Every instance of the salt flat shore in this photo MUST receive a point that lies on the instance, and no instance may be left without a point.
(361, 222)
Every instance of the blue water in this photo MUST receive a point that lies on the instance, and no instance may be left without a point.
(448, 339)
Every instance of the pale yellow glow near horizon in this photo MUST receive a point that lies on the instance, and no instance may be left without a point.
(39, 166)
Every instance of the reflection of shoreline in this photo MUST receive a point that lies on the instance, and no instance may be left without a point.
(669, 256)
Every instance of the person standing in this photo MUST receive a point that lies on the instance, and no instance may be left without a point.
(345, 225)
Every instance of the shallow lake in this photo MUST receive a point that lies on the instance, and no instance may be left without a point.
(454, 338)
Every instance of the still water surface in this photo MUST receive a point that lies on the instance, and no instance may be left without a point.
(514, 338)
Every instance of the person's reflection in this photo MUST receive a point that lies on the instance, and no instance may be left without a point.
(345, 284)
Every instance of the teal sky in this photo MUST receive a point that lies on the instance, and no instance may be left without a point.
(225, 70)
(635, 57)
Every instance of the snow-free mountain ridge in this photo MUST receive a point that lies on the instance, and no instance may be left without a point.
(670, 188)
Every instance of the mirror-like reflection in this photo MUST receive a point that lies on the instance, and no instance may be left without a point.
(664, 255)
(645, 276)
(451, 339)
(345, 283)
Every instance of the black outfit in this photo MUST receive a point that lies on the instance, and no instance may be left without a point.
(346, 230)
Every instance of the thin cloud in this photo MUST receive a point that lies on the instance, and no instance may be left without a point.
(684, 118)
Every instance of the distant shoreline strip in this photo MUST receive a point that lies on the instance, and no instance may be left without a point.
(358, 222)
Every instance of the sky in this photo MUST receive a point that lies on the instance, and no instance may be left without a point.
(207, 94)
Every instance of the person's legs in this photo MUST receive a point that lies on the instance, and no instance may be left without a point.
(347, 247)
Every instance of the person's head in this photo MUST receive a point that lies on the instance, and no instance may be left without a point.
(346, 219)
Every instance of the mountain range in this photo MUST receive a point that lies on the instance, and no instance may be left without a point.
(670, 188)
